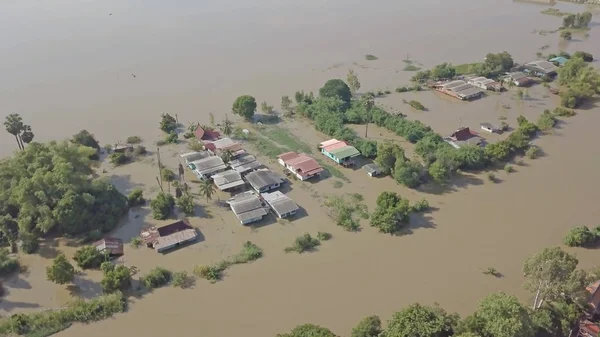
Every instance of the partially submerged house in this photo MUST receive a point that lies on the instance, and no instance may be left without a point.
(122, 148)
(459, 89)
(206, 134)
(372, 169)
(264, 180)
(559, 60)
(244, 164)
(540, 68)
(169, 236)
(112, 247)
(225, 144)
(300, 165)
(207, 167)
(282, 205)
(485, 83)
(490, 128)
(193, 156)
(518, 78)
(339, 151)
(464, 136)
(248, 207)
(228, 180)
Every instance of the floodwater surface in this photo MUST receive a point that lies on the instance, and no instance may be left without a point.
(69, 65)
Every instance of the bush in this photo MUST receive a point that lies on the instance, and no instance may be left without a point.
(134, 140)
(401, 89)
(420, 206)
(416, 105)
(587, 57)
(182, 280)
(156, 278)
(139, 150)
(186, 204)
(168, 123)
(250, 252)
(210, 273)
(370, 57)
(162, 206)
(29, 243)
(387, 92)
(136, 197)
(491, 177)
(546, 121)
(533, 152)
(580, 236)
(167, 174)
(171, 138)
(88, 257)
(8, 265)
(323, 236)
(115, 278)
(136, 242)
(563, 112)
(117, 158)
(195, 145)
(508, 168)
(303, 244)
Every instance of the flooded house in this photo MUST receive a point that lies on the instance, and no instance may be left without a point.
(207, 167)
(193, 156)
(228, 180)
(264, 180)
(169, 236)
(373, 170)
(301, 165)
(588, 329)
(244, 164)
(490, 128)
(248, 207)
(540, 68)
(463, 136)
(225, 144)
(282, 205)
(112, 247)
(459, 89)
(206, 134)
(485, 83)
(339, 151)
(518, 79)
(559, 60)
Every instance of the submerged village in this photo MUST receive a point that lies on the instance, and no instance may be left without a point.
(74, 218)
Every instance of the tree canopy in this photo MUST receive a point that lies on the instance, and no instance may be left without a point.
(443, 71)
(48, 187)
(391, 214)
(85, 138)
(336, 88)
(308, 330)
(368, 327)
(582, 80)
(244, 106)
(61, 271)
(422, 321)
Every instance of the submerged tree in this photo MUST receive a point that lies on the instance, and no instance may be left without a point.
(286, 106)
(336, 88)
(61, 271)
(244, 106)
(368, 101)
(352, 80)
(227, 126)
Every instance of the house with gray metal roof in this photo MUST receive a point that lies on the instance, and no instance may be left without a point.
(264, 180)
(206, 167)
(228, 180)
(282, 205)
(248, 207)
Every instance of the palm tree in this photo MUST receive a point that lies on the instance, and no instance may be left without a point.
(26, 135)
(227, 156)
(368, 101)
(226, 127)
(207, 189)
(14, 126)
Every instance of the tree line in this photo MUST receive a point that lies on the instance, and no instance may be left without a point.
(559, 301)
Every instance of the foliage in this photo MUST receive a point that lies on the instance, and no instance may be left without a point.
(582, 79)
(8, 265)
(308, 330)
(580, 236)
(533, 152)
(408, 173)
(411, 67)
(422, 321)
(420, 206)
(422, 76)
(286, 106)
(250, 252)
(211, 273)
(182, 280)
(323, 236)
(546, 121)
(244, 106)
(207, 189)
(443, 71)
(168, 123)
(579, 20)
(88, 257)
(471, 157)
(587, 57)
(303, 243)
(391, 214)
(336, 88)
(566, 35)
(186, 204)
(29, 243)
(370, 57)
(171, 138)
(344, 209)
(388, 153)
(266, 108)
(162, 206)
(352, 81)
(23, 134)
(115, 278)
(508, 168)
(195, 145)
(227, 126)
(136, 242)
(48, 322)
(368, 148)
(86, 139)
(61, 271)
(498, 151)
(156, 278)
(416, 105)
(134, 140)
(496, 64)
(139, 150)
(367, 327)
(66, 200)
(118, 158)
(167, 174)
(136, 197)
(563, 112)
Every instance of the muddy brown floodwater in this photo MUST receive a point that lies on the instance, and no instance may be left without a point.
(67, 65)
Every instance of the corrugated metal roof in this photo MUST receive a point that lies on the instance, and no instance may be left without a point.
(345, 152)
(280, 203)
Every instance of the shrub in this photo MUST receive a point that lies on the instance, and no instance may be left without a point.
(380, 93)
(117, 158)
(370, 57)
(250, 252)
(139, 150)
(182, 280)
(195, 145)
(115, 278)
(88, 257)
(533, 152)
(491, 177)
(503, 126)
(401, 89)
(171, 138)
(210, 273)
(387, 92)
(156, 278)
(546, 121)
(136, 242)
(563, 112)
(136, 197)
(323, 236)
(8, 265)
(134, 140)
(168, 123)
(29, 243)
(587, 57)
(303, 244)
(108, 148)
(420, 206)
(167, 174)
(508, 168)
(162, 206)
(416, 105)
(186, 204)
(93, 235)
(580, 236)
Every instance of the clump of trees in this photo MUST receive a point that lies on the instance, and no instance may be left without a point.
(88, 257)
(346, 210)
(493, 66)
(587, 57)
(66, 201)
(22, 132)
(61, 271)
(582, 81)
(336, 88)
(168, 123)
(582, 236)
(162, 206)
(186, 204)
(579, 20)
(136, 197)
(303, 243)
(352, 80)
(244, 106)
(416, 105)
(116, 278)
(391, 214)
(546, 121)
(156, 278)
(8, 265)
(85, 138)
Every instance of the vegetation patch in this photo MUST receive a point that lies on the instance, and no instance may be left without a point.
(323, 236)
(285, 138)
(250, 252)
(156, 278)
(346, 210)
(49, 322)
(370, 57)
(410, 67)
(563, 112)
(182, 280)
(338, 184)
(554, 11)
(88, 257)
(136, 197)
(582, 236)
(8, 265)
(416, 105)
(303, 243)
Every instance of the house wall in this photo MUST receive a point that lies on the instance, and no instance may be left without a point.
(332, 157)
(268, 188)
(249, 221)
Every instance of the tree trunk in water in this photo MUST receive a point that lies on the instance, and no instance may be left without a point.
(18, 142)
(366, 129)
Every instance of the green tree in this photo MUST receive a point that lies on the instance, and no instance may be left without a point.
(115, 278)
(587, 57)
(388, 153)
(61, 271)
(14, 125)
(471, 157)
(227, 126)
(368, 327)
(186, 204)
(580, 236)
(308, 330)
(336, 88)
(136, 197)
(168, 123)
(499, 315)
(368, 101)
(207, 189)
(391, 214)
(443, 71)
(9, 227)
(547, 274)
(26, 135)
(85, 138)
(408, 173)
(244, 106)
(498, 63)
(497, 151)
(156, 278)
(422, 321)
(8, 265)
(286, 106)
(568, 20)
(88, 257)
(352, 81)
(266, 108)
(162, 206)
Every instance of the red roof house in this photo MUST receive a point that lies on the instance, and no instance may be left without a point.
(464, 136)
(301, 165)
(588, 329)
(202, 134)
